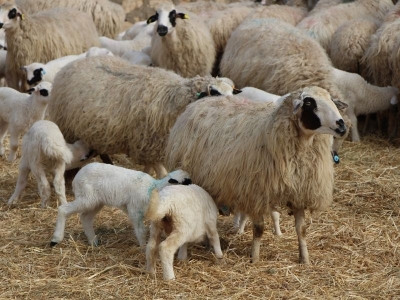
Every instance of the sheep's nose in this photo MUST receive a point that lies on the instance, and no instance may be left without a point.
(1, 25)
(341, 127)
(162, 30)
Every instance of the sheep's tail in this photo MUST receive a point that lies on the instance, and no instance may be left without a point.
(57, 151)
(152, 210)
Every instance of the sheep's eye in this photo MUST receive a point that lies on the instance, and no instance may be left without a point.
(12, 13)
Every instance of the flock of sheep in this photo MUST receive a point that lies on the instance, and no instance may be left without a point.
(291, 77)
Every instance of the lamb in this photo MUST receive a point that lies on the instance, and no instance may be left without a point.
(127, 109)
(44, 148)
(255, 94)
(281, 149)
(48, 32)
(186, 213)
(98, 184)
(37, 72)
(137, 58)
(323, 24)
(19, 111)
(363, 98)
(108, 17)
(135, 30)
(180, 44)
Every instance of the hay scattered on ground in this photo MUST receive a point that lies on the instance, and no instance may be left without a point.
(354, 247)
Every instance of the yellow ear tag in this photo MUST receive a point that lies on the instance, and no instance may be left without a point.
(185, 16)
(22, 16)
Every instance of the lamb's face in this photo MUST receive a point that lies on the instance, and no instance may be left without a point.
(179, 177)
(10, 16)
(43, 89)
(166, 18)
(318, 113)
(218, 88)
(34, 73)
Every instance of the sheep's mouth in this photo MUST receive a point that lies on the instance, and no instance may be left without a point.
(340, 130)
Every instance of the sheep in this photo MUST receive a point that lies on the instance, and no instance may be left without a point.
(186, 213)
(363, 98)
(323, 24)
(52, 34)
(137, 58)
(108, 17)
(44, 148)
(180, 44)
(19, 111)
(281, 151)
(349, 43)
(127, 108)
(37, 72)
(98, 184)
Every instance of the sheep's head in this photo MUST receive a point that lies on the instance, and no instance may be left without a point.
(208, 86)
(166, 16)
(179, 177)
(43, 89)
(10, 15)
(316, 112)
(34, 73)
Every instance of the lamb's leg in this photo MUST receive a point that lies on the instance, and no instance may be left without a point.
(160, 170)
(136, 217)
(275, 220)
(14, 134)
(64, 211)
(59, 182)
(167, 250)
(300, 223)
(213, 237)
(22, 181)
(182, 253)
(43, 185)
(355, 136)
(152, 247)
(87, 219)
(147, 169)
(3, 131)
(258, 229)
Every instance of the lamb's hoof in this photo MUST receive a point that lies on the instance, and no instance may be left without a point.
(52, 244)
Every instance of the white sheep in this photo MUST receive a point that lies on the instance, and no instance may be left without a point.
(108, 17)
(19, 111)
(186, 214)
(42, 37)
(97, 185)
(127, 109)
(137, 58)
(281, 150)
(363, 98)
(44, 149)
(181, 43)
(37, 72)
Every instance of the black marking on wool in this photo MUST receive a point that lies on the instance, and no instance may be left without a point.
(44, 92)
(37, 76)
(12, 13)
(214, 92)
(173, 181)
(30, 91)
(308, 117)
(187, 181)
(172, 17)
(153, 18)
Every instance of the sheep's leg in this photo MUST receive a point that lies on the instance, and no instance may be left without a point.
(300, 223)
(213, 237)
(258, 230)
(59, 182)
(275, 220)
(152, 247)
(355, 136)
(64, 211)
(14, 134)
(3, 131)
(87, 219)
(239, 222)
(137, 221)
(22, 181)
(43, 185)
(167, 250)
(182, 253)
(160, 170)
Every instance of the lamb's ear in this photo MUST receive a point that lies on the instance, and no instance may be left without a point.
(340, 105)
(182, 16)
(152, 19)
(297, 105)
(173, 181)
(31, 90)
(236, 91)
(187, 181)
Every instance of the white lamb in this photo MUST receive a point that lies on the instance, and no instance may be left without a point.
(256, 94)
(137, 58)
(98, 184)
(44, 149)
(186, 214)
(18, 111)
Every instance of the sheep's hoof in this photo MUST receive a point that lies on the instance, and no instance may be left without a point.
(52, 244)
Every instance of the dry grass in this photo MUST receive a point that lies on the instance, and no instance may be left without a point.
(353, 247)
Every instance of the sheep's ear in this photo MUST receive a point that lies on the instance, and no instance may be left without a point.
(236, 91)
(340, 105)
(31, 90)
(173, 181)
(182, 16)
(296, 105)
(152, 19)
(187, 181)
